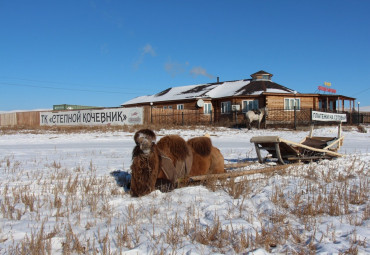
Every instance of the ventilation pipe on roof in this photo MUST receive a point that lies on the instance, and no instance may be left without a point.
(218, 79)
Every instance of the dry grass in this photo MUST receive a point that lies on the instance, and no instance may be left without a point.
(90, 129)
(73, 207)
(361, 129)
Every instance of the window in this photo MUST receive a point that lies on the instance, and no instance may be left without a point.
(170, 107)
(180, 107)
(250, 105)
(207, 108)
(164, 107)
(225, 107)
(289, 103)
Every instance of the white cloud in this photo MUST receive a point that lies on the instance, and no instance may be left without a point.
(195, 71)
(146, 50)
(175, 68)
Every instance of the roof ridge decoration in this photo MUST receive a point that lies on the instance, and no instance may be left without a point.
(262, 72)
(255, 86)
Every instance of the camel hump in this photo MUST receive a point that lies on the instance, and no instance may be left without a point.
(201, 145)
(173, 146)
(147, 133)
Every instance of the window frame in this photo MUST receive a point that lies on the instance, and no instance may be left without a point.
(207, 109)
(180, 107)
(291, 102)
(227, 105)
(250, 100)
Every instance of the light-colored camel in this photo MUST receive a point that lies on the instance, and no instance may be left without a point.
(257, 115)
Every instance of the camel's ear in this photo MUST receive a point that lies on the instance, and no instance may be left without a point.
(207, 135)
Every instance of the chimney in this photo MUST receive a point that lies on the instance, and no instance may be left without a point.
(218, 79)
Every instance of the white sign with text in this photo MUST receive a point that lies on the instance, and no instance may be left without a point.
(326, 116)
(113, 116)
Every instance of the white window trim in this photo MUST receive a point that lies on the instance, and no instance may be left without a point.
(229, 108)
(180, 107)
(290, 99)
(250, 100)
(208, 108)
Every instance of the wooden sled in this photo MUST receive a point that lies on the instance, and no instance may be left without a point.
(309, 149)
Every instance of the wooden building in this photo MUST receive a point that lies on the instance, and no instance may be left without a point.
(221, 99)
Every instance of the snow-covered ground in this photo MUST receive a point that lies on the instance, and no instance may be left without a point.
(57, 196)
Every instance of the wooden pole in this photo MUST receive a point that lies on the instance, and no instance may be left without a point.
(331, 153)
(240, 173)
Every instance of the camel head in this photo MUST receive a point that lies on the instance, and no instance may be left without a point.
(144, 139)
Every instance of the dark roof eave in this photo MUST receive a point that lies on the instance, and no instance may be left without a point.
(346, 97)
(307, 94)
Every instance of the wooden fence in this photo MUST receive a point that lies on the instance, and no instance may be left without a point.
(26, 119)
(159, 116)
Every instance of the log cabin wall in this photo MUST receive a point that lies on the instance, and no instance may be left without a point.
(277, 114)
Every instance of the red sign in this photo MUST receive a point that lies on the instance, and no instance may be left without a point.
(327, 89)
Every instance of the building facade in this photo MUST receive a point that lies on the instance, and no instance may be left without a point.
(222, 99)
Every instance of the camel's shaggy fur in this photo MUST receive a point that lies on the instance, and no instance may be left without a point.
(145, 133)
(195, 157)
(217, 162)
(207, 159)
(201, 145)
(144, 171)
(174, 147)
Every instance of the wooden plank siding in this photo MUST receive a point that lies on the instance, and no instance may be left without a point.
(176, 117)
(278, 115)
(277, 101)
(28, 119)
(8, 119)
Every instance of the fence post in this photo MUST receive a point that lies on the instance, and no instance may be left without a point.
(358, 111)
(151, 113)
(182, 118)
(210, 112)
(295, 117)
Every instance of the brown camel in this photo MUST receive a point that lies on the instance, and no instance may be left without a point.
(170, 159)
(207, 159)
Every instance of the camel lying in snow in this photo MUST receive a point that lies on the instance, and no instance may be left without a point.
(170, 159)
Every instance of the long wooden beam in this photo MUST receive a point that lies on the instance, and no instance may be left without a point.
(339, 141)
(234, 174)
(237, 165)
(331, 153)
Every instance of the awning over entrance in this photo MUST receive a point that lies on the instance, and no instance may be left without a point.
(336, 103)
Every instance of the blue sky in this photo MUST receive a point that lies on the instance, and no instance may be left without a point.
(103, 53)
